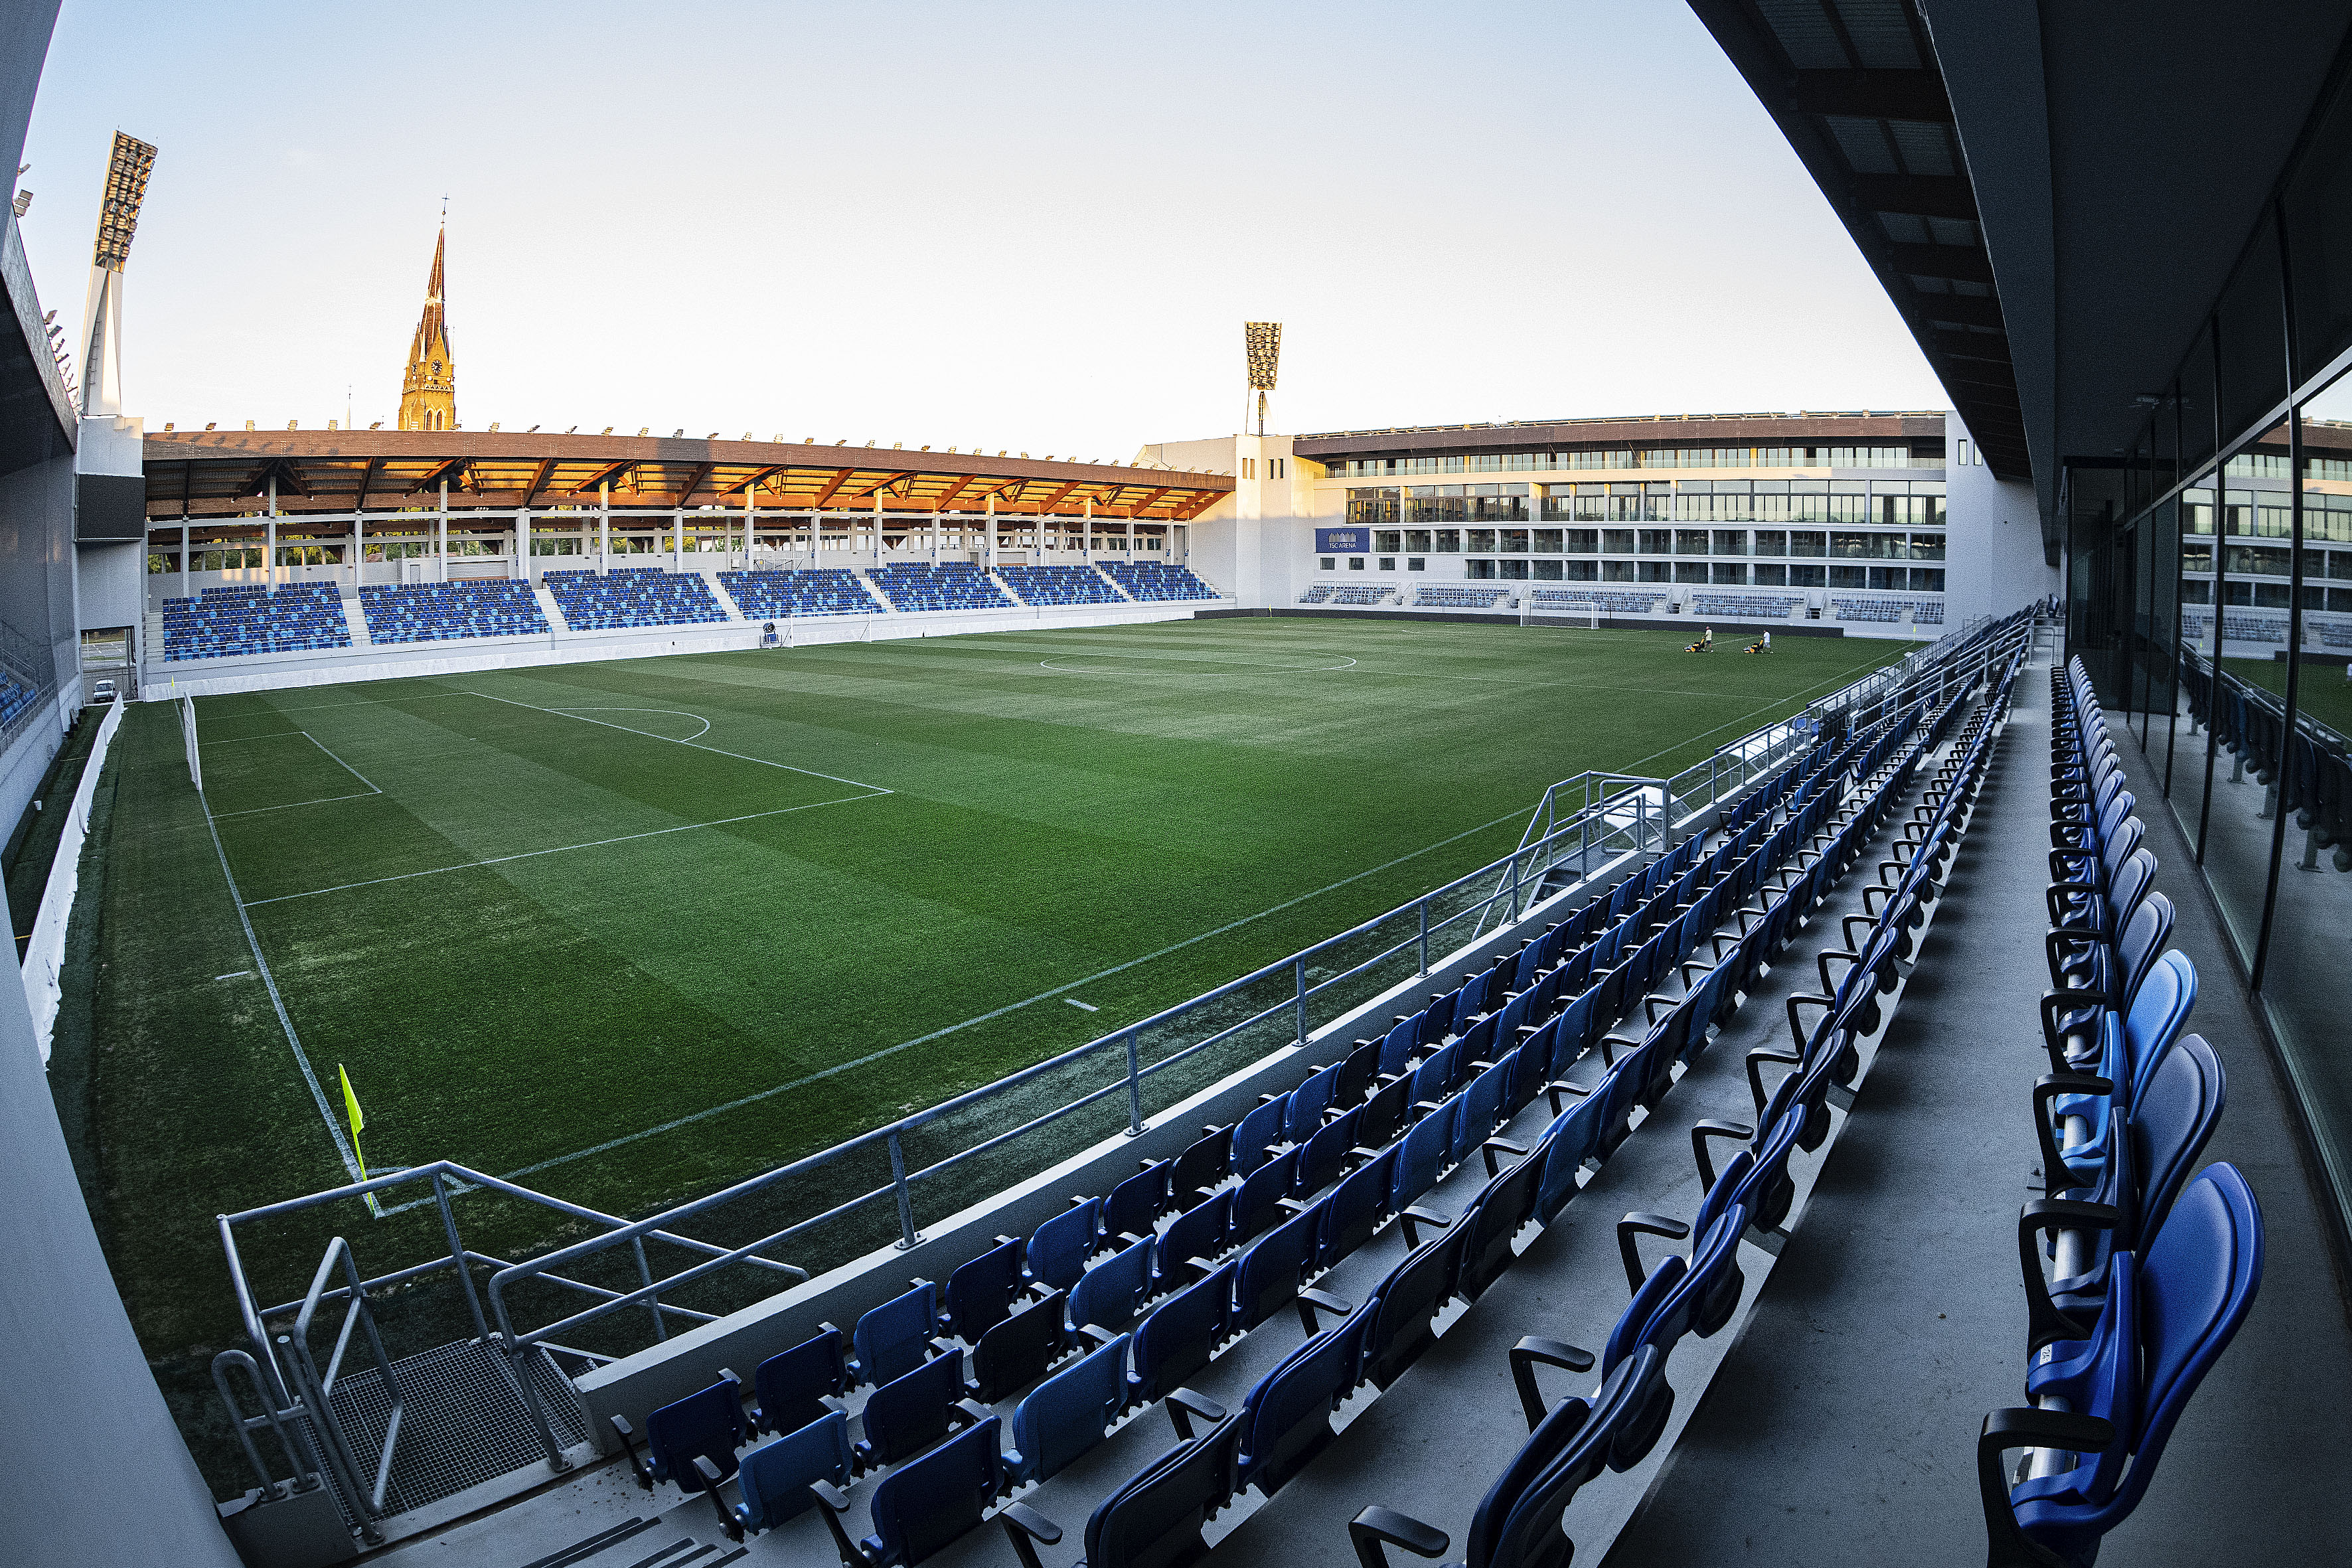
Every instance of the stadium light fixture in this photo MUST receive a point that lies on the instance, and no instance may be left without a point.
(643, 429)
(208, 427)
(377, 425)
(494, 427)
(571, 430)
(608, 430)
(1262, 352)
(129, 163)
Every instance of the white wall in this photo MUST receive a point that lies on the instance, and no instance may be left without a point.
(1993, 551)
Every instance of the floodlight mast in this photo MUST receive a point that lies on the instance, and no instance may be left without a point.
(126, 168)
(1261, 348)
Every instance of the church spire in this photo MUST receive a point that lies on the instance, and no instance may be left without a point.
(429, 392)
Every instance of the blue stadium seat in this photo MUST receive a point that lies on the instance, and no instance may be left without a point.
(1195, 1237)
(1068, 1415)
(1285, 1419)
(1135, 1204)
(1058, 585)
(632, 596)
(1014, 1353)
(241, 620)
(916, 586)
(439, 612)
(777, 1477)
(792, 1386)
(1146, 580)
(980, 1290)
(1059, 1247)
(774, 595)
(1153, 1519)
(1257, 1202)
(896, 1337)
(910, 1414)
(706, 1426)
(1398, 1318)
(927, 1506)
(1179, 1336)
(1107, 1296)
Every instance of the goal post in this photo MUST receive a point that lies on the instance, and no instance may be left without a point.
(188, 733)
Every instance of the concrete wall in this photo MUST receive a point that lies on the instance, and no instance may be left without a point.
(1995, 563)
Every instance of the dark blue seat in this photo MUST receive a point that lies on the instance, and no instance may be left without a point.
(1481, 1111)
(2171, 1312)
(1181, 1335)
(1681, 1295)
(708, 1425)
(1303, 1111)
(792, 1386)
(910, 1412)
(1153, 1519)
(1273, 1269)
(777, 1476)
(1398, 1045)
(935, 1501)
(1017, 1352)
(981, 1292)
(1202, 1168)
(1422, 1156)
(1193, 1240)
(1404, 1306)
(1495, 1218)
(1255, 1133)
(896, 1337)
(1257, 1202)
(1518, 1523)
(1323, 1158)
(1571, 1141)
(1356, 1208)
(1386, 1113)
(1059, 1249)
(1107, 1296)
(1069, 1413)
(1285, 1419)
(1135, 1206)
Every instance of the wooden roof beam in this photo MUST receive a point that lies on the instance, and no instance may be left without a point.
(825, 495)
(538, 478)
(438, 473)
(602, 476)
(693, 481)
(752, 481)
(939, 502)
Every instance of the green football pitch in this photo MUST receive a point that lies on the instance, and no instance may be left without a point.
(631, 930)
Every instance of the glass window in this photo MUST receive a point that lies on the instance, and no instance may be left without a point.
(1479, 569)
(1771, 542)
(1735, 574)
(1617, 542)
(1329, 563)
(1814, 544)
(1807, 576)
(1616, 571)
(1355, 563)
(1515, 570)
(1481, 538)
(1771, 576)
(1657, 571)
(1886, 577)
(1731, 543)
(1690, 542)
(1926, 547)
(1515, 541)
(1386, 539)
(1581, 541)
(1388, 562)
(1546, 571)
(1416, 539)
(1415, 563)
(1690, 571)
(1590, 571)
(1448, 542)
(1927, 579)
(1849, 577)
(1547, 542)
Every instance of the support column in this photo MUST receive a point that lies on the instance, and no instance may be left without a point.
(751, 523)
(1087, 522)
(991, 556)
(441, 532)
(184, 561)
(270, 541)
(877, 530)
(359, 550)
(522, 542)
(604, 528)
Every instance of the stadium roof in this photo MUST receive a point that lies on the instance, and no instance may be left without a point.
(1649, 429)
(226, 473)
(1856, 88)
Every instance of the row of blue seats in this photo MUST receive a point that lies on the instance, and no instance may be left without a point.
(913, 586)
(1146, 580)
(2148, 1272)
(632, 596)
(436, 612)
(1058, 585)
(245, 619)
(774, 595)
(1096, 1264)
(1519, 1520)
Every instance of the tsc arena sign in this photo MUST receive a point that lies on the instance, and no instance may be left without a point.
(1335, 540)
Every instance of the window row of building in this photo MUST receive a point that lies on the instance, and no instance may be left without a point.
(1918, 455)
(1792, 544)
(1896, 504)
(1713, 573)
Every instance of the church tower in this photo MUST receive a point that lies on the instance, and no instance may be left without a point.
(428, 392)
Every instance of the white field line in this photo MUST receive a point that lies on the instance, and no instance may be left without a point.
(674, 712)
(1213, 666)
(566, 848)
(824, 1073)
(290, 805)
(252, 945)
(650, 735)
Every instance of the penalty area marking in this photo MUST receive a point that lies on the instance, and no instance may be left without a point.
(211, 814)
(650, 735)
(1213, 666)
(672, 713)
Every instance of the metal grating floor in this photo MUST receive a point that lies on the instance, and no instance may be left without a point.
(463, 1425)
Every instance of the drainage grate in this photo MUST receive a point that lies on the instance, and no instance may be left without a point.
(464, 1423)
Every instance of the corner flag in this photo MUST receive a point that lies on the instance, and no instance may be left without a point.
(357, 1117)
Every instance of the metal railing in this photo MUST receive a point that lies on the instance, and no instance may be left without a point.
(1583, 825)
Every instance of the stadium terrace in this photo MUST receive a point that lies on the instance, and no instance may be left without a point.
(1687, 988)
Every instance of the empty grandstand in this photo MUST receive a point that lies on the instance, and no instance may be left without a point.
(441, 611)
(915, 586)
(590, 602)
(1155, 581)
(817, 591)
(1319, 594)
(1363, 593)
(1058, 585)
(1920, 612)
(238, 622)
(1458, 597)
(1751, 607)
(1589, 599)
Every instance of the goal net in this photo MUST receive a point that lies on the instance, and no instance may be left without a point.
(188, 733)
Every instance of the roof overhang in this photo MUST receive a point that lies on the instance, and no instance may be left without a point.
(1657, 430)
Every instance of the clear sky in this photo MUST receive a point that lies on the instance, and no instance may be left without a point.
(1035, 226)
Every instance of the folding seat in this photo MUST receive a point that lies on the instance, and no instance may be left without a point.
(1153, 1519)
(2103, 913)
(896, 1337)
(1398, 1045)
(1135, 1206)
(1618, 1093)
(2129, 1046)
(1257, 1202)
(1495, 1218)
(1403, 1305)
(1572, 1139)
(1323, 1159)
(1385, 1114)
(1202, 1168)
(1438, 1072)
(1481, 1111)
(935, 1501)
(910, 1414)
(1518, 1523)
(2134, 1183)
(1107, 1295)
(1531, 1067)
(1059, 1249)
(1355, 1209)
(1437, 1020)
(1017, 1352)
(1422, 1156)
(1193, 1240)
(1478, 1043)
(2171, 1312)
(981, 1292)
(792, 1386)
(1681, 1295)
(1272, 1271)
(1257, 1133)
(1068, 1414)
(1578, 1026)
(1358, 1073)
(777, 1476)
(2091, 973)
(691, 1441)
(1756, 1177)
(1286, 1418)
(1303, 1111)
(1181, 1335)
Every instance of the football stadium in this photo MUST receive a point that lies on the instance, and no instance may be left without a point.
(1700, 986)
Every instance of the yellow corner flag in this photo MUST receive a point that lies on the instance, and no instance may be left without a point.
(358, 1118)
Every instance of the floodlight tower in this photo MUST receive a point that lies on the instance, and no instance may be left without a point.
(118, 220)
(1262, 348)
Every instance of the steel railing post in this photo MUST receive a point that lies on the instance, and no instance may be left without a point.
(646, 1278)
(1134, 1091)
(458, 1256)
(1298, 970)
(1424, 939)
(907, 1235)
